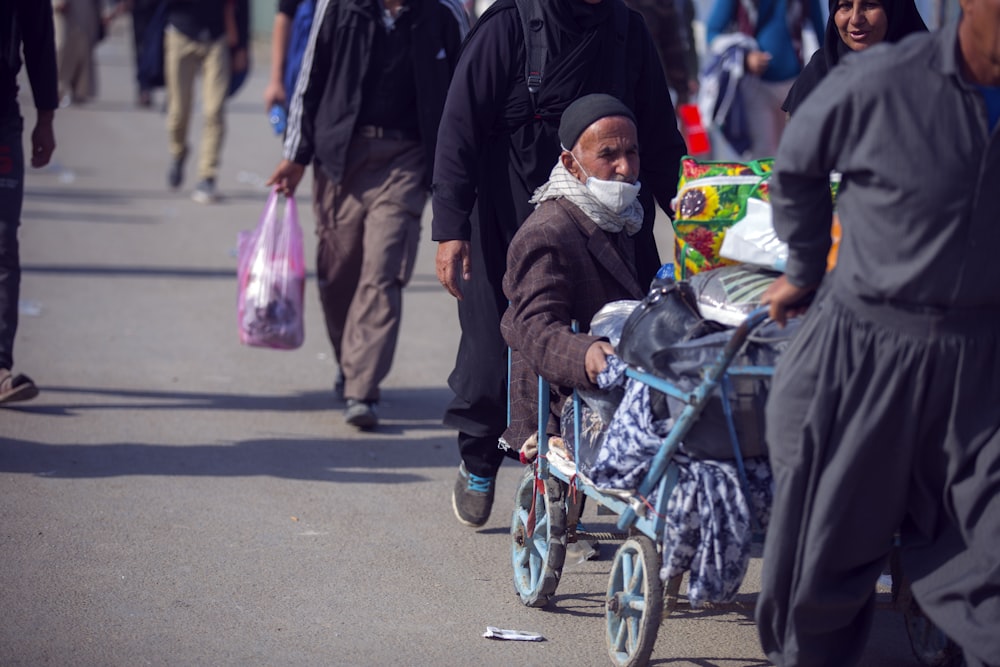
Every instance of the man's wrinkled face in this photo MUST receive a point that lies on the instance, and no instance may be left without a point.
(861, 23)
(979, 40)
(608, 150)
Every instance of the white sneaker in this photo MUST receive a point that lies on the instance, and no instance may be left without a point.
(205, 192)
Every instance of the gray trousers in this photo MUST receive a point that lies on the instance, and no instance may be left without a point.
(882, 418)
(368, 229)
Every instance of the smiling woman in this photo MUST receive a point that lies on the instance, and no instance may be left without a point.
(860, 23)
(854, 25)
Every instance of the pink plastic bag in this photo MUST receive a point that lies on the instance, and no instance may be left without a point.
(272, 279)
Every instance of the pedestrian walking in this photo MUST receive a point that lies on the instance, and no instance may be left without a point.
(198, 40)
(25, 26)
(365, 112)
(882, 417)
(78, 28)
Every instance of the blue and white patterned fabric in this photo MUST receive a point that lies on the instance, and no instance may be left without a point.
(708, 529)
(708, 516)
(632, 438)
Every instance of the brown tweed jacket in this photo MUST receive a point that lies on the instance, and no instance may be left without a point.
(560, 267)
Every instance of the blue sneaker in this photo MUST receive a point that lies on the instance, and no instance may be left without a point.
(472, 498)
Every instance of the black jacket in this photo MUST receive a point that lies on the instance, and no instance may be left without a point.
(326, 102)
(28, 22)
(497, 144)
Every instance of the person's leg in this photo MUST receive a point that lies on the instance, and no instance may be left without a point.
(215, 83)
(841, 423)
(394, 198)
(953, 555)
(11, 198)
(89, 85)
(478, 410)
(141, 17)
(180, 65)
(12, 387)
(340, 215)
(78, 66)
(64, 55)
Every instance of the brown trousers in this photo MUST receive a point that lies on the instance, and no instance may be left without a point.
(368, 229)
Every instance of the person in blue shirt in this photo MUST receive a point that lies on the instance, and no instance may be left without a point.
(772, 67)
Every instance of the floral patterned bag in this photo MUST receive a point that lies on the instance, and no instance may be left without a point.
(711, 198)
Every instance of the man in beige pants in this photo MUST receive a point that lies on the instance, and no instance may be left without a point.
(77, 25)
(199, 36)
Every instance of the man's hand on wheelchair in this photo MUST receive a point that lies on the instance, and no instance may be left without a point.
(786, 300)
(597, 359)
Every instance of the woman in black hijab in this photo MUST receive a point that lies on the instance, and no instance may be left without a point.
(855, 16)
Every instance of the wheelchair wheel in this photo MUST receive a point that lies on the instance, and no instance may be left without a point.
(538, 538)
(634, 602)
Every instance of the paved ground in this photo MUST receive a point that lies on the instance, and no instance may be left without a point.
(174, 498)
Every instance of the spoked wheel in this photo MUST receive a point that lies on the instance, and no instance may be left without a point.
(538, 538)
(634, 603)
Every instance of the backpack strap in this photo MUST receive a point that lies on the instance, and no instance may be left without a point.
(535, 44)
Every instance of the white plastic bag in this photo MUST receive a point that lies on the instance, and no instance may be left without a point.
(752, 240)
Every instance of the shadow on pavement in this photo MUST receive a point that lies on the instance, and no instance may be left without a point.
(324, 460)
(423, 405)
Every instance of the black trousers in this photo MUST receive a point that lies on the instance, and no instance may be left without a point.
(478, 410)
(11, 199)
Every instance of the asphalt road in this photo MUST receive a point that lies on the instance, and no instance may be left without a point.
(175, 498)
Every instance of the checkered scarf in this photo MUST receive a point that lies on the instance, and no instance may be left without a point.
(561, 183)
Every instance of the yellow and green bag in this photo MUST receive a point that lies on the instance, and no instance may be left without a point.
(711, 198)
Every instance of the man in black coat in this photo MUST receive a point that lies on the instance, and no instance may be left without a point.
(498, 142)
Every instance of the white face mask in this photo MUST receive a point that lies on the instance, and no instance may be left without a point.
(616, 195)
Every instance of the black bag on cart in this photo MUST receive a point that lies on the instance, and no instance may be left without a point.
(667, 315)
(667, 337)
